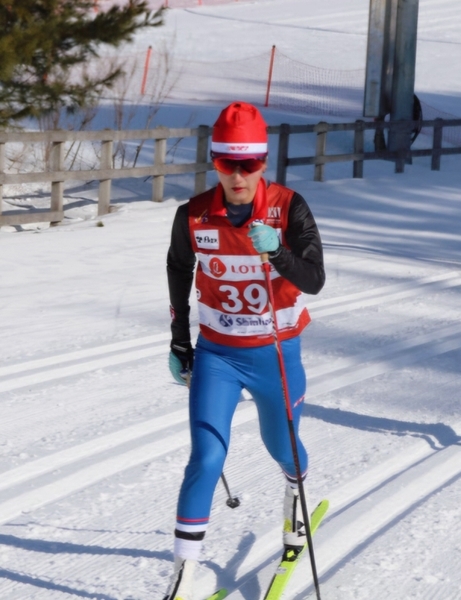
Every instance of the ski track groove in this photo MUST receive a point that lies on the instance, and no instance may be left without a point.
(82, 354)
(52, 361)
(83, 367)
(118, 462)
(378, 510)
(59, 459)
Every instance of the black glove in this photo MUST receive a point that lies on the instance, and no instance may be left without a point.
(181, 360)
(185, 353)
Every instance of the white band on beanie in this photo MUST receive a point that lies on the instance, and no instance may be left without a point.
(234, 148)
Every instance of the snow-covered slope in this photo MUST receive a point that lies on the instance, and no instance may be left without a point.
(93, 431)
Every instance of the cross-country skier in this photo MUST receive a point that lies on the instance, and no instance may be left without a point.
(235, 348)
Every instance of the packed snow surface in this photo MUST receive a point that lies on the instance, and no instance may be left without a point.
(94, 434)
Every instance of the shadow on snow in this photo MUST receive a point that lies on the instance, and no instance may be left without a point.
(443, 434)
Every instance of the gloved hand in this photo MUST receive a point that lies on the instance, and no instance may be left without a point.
(264, 238)
(181, 361)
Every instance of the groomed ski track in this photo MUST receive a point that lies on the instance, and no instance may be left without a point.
(367, 503)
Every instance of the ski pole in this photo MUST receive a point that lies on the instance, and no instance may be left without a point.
(232, 502)
(291, 428)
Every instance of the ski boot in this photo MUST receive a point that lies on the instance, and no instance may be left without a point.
(294, 530)
(181, 585)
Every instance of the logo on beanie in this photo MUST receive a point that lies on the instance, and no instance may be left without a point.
(250, 149)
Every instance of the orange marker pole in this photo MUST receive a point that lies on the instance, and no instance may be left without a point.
(146, 70)
(269, 79)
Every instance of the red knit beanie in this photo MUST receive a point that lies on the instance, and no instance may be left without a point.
(240, 132)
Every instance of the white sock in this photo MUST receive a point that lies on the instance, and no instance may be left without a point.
(188, 540)
(187, 549)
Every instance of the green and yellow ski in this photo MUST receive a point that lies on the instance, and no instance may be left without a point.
(219, 595)
(290, 558)
(289, 562)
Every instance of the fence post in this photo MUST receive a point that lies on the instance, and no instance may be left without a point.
(105, 184)
(394, 129)
(437, 144)
(57, 187)
(269, 79)
(201, 157)
(357, 169)
(158, 183)
(282, 154)
(320, 149)
(379, 139)
(2, 169)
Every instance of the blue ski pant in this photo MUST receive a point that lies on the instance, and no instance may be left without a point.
(220, 373)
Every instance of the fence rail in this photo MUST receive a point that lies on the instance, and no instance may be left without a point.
(159, 169)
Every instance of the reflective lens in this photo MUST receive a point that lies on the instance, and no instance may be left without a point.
(246, 166)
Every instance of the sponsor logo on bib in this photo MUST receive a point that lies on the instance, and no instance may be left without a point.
(226, 321)
(207, 239)
(217, 267)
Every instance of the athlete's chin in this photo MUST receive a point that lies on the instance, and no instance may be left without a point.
(238, 196)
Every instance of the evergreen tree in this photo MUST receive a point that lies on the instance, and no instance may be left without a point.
(46, 44)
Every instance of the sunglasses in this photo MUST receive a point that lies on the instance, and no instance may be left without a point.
(246, 166)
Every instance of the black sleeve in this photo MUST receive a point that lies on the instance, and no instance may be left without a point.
(180, 272)
(302, 264)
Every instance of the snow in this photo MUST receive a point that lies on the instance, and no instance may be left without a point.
(94, 435)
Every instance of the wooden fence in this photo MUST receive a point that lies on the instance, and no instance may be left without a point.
(56, 175)
(159, 169)
(358, 155)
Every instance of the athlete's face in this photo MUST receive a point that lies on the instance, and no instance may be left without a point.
(240, 187)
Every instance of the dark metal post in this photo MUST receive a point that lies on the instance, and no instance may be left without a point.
(380, 58)
(437, 144)
(201, 157)
(403, 82)
(359, 139)
(320, 150)
(282, 156)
